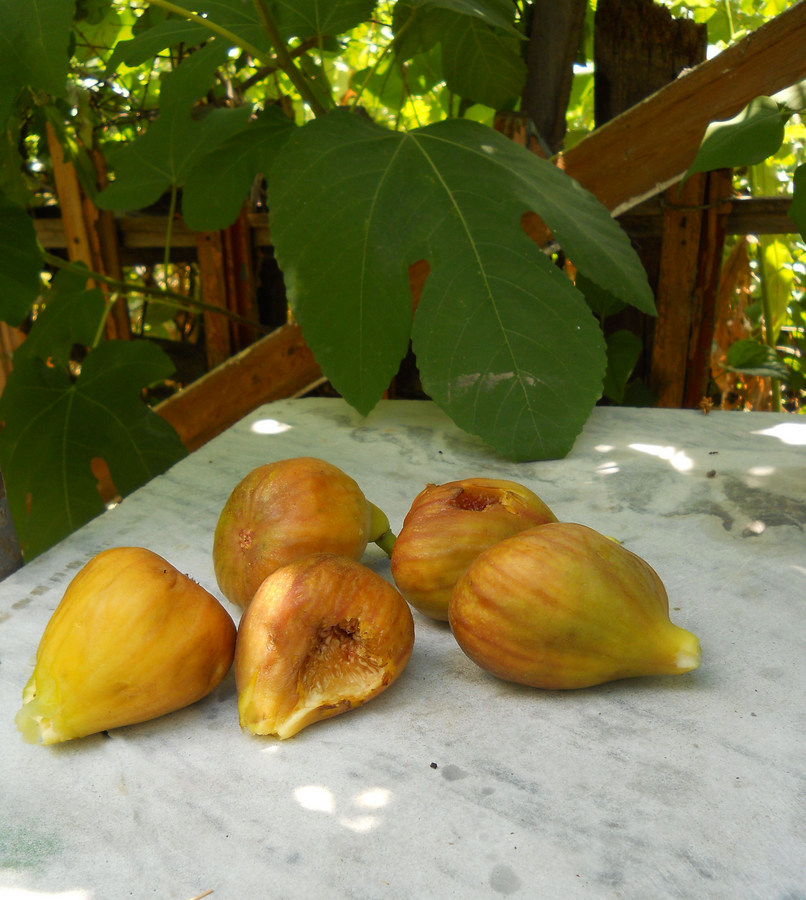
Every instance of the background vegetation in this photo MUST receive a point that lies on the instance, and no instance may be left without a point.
(366, 130)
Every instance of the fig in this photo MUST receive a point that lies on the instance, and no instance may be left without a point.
(285, 510)
(131, 639)
(562, 606)
(446, 528)
(322, 635)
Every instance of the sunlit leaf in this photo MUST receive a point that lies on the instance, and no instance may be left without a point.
(754, 358)
(797, 209)
(504, 342)
(58, 426)
(749, 138)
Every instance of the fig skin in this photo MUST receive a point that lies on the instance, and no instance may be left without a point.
(446, 528)
(322, 635)
(285, 510)
(562, 606)
(132, 639)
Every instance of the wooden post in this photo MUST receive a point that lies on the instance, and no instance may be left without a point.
(210, 250)
(677, 281)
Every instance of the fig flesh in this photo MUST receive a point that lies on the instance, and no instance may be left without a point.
(446, 528)
(132, 639)
(322, 635)
(562, 606)
(285, 510)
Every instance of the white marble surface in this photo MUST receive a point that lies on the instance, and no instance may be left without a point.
(454, 784)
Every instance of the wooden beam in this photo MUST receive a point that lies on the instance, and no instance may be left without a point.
(743, 215)
(278, 365)
(646, 149)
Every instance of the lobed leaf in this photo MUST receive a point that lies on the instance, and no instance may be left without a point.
(57, 425)
(176, 141)
(217, 185)
(504, 342)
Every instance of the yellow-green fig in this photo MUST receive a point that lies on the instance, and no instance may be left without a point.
(285, 510)
(132, 639)
(322, 635)
(446, 528)
(562, 606)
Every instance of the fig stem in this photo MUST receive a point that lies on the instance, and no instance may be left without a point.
(386, 541)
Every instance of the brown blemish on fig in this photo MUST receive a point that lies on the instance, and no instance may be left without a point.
(474, 502)
(245, 537)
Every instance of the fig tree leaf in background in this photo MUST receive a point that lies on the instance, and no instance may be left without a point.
(216, 187)
(797, 209)
(22, 263)
(754, 358)
(304, 19)
(749, 138)
(162, 157)
(59, 425)
(623, 350)
(505, 343)
(34, 40)
(146, 45)
(71, 315)
(481, 63)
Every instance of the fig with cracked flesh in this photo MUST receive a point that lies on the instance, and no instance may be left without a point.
(285, 510)
(562, 606)
(322, 635)
(132, 639)
(446, 528)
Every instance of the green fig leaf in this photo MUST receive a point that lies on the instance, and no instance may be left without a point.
(745, 140)
(751, 357)
(176, 141)
(71, 315)
(218, 184)
(20, 274)
(797, 208)
(481, 63)
(57, 424)
(506, 344)
(304, 19)
(149, 43)
(34, 42)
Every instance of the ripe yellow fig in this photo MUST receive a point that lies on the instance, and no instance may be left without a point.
(562, 606)
(132, 639)
(446, 528)
(322, 635)
(285, 510)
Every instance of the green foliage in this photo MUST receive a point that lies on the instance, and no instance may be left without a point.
(57, 423)
(199, 102)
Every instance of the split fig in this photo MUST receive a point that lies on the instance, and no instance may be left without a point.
(132, 639)
(322, 635)
(446, 528)
(562, 606)
(285, 510)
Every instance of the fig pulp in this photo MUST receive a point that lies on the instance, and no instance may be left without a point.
(131, 639)
(446, 528)
(285, 510)
(562, 606)
(322, 635)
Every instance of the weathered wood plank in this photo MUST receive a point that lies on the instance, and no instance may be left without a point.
(278, 365)
(645, 149)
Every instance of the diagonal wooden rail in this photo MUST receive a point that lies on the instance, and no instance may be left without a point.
(645, 149)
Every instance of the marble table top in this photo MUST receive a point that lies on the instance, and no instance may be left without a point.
(453, 783)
